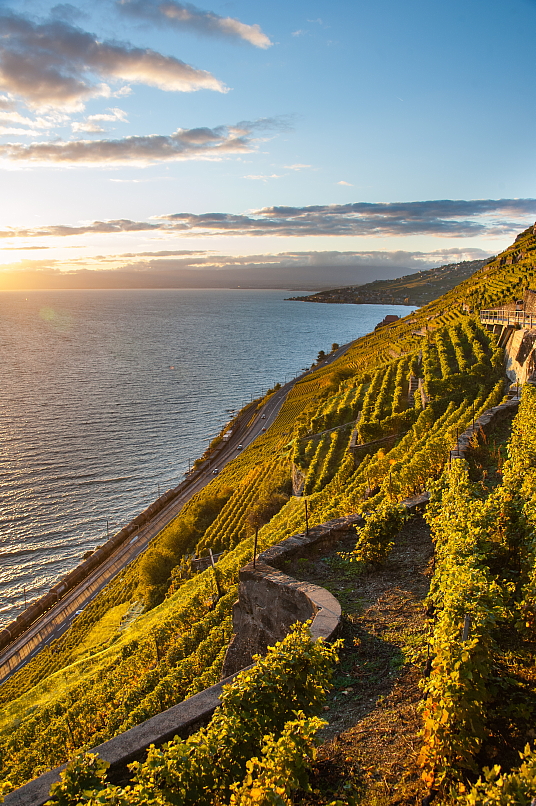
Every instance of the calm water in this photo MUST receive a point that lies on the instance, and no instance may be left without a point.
(106, 395)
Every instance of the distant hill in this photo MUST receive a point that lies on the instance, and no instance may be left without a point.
(412, 289)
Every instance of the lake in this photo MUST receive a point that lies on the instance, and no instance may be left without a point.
(105, 397)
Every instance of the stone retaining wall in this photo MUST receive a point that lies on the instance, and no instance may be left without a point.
(483, 424)
(270, 601)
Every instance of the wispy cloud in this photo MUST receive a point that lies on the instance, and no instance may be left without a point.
(298, 166)
(188, 16)
(347, 184)
(56, 64)
(263, 177)
(443, 218)
(92, 124)
(184, 144)
(9, 115)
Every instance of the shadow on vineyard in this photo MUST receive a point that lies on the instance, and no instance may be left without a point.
(372, 740)
(420, 704)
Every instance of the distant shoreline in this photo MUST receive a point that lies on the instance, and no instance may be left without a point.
(350, 301)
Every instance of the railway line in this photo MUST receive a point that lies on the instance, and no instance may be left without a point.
(58, 618)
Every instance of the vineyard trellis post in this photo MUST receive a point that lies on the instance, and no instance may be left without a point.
(218, 589)
(255, 545)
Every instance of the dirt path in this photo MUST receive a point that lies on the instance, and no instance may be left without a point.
(372, 741)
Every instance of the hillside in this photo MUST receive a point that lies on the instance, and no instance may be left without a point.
(411, 289)
(158, 633)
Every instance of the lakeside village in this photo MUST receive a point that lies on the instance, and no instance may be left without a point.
(376, 547)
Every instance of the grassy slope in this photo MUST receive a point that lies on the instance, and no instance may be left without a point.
(65, 697)
(411, 289)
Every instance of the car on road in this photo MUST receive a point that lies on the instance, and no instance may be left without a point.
(215, 471)
(239, 447)
(263, 416)
(263, 429)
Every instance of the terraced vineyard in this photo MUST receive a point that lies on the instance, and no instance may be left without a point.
(351, 437)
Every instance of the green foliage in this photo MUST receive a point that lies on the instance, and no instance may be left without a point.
(83, 776)
(265, 712)
(283, 766)
(157, 563)
(463, 586)
(517, 788)
(395, 424)
(376, 537)
(485, 552)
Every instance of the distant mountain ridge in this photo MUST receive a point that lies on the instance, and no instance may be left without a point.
(411, 289)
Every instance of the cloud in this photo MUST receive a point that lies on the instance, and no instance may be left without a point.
(263, 177)
(184, 144)
(190, 269)
(377, 259)
(56, 64)
(297, 167)
(443, 218)
(187, 16)
(447, 218)
(6, 102)
(92, 123)
(44, 122)
(87, 126)
(22, 248)
(342, 182)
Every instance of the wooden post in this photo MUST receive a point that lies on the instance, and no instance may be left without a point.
(218, 590)
(306, 520)
(255, 545)
(466, 627)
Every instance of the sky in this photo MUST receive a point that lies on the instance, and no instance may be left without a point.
(306, 144)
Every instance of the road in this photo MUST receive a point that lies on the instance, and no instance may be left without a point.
(59, 618)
